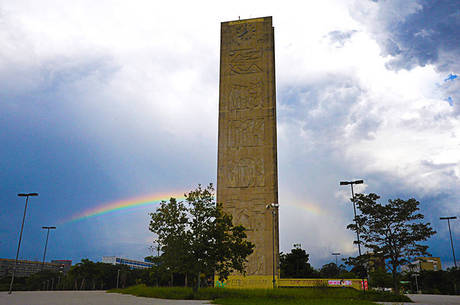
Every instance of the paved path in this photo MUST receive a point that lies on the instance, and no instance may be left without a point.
(84, 298)
(430, 299)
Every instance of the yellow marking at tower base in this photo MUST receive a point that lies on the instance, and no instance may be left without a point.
(266, 282)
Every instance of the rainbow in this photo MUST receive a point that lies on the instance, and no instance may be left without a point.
(121, 205)
(310, 207)
(146, 200)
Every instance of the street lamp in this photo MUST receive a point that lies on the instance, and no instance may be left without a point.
(336, 254)
(354, 207)
(46, 244)
(336, 264)
(415, 275)
(27, 195)
(450, 233)
(351, 183)
(274, 207)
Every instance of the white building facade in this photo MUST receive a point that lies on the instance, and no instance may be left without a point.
(133, 264)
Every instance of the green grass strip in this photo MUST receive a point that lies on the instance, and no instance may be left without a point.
(266, 296)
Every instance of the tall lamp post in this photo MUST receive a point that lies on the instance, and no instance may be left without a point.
(354, 206)
(274, 207)
(336, 263)
(336, 254)
(351, 183)
(27, 195)
(450, 233)
(46, 244)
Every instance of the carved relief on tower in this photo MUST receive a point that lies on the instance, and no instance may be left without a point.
(243, 133)
(256, 261)
(258, 222)
(244, 33)
(249, 213)
(244, 61)
(245, 172)
(243, 68)
(250, 220)
(244, 55)
(246, 95)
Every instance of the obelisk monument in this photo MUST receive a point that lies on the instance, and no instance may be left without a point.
(247, 178)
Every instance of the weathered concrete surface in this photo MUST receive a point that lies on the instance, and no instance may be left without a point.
(247, 178)
(429, 299)
(84, 298)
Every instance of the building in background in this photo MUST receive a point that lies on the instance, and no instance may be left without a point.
(133, 264)
(65, 264)
(376, 263)
(423, 264)
(26, 268)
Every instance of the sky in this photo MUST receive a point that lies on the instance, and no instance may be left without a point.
(112, 104)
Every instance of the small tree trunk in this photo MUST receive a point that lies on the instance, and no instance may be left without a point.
(186, 279)
(395, 280)
(82, 283)
(197, 286)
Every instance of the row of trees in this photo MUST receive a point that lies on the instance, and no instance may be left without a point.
(197, 237)
(89, 275)
(86, 275)
(295, 265)
(392, 233)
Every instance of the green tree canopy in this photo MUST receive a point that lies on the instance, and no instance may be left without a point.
(331, 270)
(295, 264)
(392, 230)
(196, 236)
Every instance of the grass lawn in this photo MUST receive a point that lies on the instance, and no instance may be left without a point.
(284, 296)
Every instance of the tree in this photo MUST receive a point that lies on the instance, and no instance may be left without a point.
(331, 270)
(380, 278)
(170, 222)
(358, 265)
(295, 264)
(196, 236)
(440, 282)
(392, 230)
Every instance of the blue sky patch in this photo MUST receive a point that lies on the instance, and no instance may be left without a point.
(451, 77)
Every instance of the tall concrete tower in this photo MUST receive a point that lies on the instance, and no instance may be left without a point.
(247, 178)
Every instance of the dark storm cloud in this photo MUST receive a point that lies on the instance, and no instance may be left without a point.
(430, 35)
